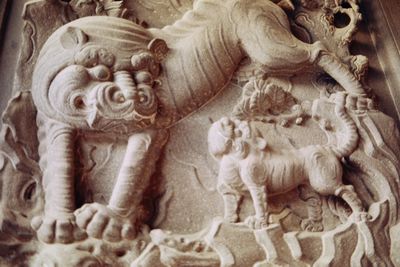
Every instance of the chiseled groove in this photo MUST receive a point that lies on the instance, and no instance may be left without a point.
(203, 69)
(32, 39)
(170, 89)
(188, 86)
(177, 31)
(128, 27)
(223, 42)
(128, 32)
(121, 40)
(214, 57)
(214, 3)
(187, 24)
(174, 7)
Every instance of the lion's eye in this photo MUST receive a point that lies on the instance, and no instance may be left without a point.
(144, 77)
(79, 103)
(100, 73)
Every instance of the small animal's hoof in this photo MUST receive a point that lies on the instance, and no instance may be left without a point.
(359, 103)
(312, 226)
(360, 217)
(233, 218)
(101, 222)
(63, 230)
(256, 223)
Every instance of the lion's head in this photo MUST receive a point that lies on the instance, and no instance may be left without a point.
(98, 73)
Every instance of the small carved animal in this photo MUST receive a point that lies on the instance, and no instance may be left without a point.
(247, 163)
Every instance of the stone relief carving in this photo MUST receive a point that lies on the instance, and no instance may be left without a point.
(88, 168)
(246, 163)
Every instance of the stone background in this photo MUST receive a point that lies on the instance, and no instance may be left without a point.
(378, 39)
(10, 42)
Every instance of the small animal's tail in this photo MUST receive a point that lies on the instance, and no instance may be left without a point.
(350, 139)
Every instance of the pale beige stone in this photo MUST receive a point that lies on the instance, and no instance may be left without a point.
(107, 142)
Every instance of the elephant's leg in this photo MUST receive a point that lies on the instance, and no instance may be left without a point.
(118, 219)
(57, 224)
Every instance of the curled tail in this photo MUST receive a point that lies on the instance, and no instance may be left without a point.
(350, 141)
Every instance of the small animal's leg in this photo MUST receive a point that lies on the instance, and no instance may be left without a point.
(314, 206)
(347, 193)
(118, 220)
(232, 199)
(259, 196)
(57, 224)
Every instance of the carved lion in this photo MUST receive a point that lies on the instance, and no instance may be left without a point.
(99, 74)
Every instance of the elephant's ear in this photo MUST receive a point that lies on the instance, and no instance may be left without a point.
(159, 48)
(73, 37)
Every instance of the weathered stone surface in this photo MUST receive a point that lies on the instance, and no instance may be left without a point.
(243, 133)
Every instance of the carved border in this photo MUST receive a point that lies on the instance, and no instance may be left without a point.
(383, 25)
(4, 6)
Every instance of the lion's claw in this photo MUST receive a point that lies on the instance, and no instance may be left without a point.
(101, 222)
(57, 230)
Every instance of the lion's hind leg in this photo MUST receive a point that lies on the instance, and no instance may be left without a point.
(314, 207)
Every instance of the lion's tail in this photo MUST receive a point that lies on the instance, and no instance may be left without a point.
(349, 143)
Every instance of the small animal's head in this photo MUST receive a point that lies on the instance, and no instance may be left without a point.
(233, 137)
(99, 72)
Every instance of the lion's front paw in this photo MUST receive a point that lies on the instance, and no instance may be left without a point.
(101, 222)
(312, 226)
(50, 229)
(255, 222)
